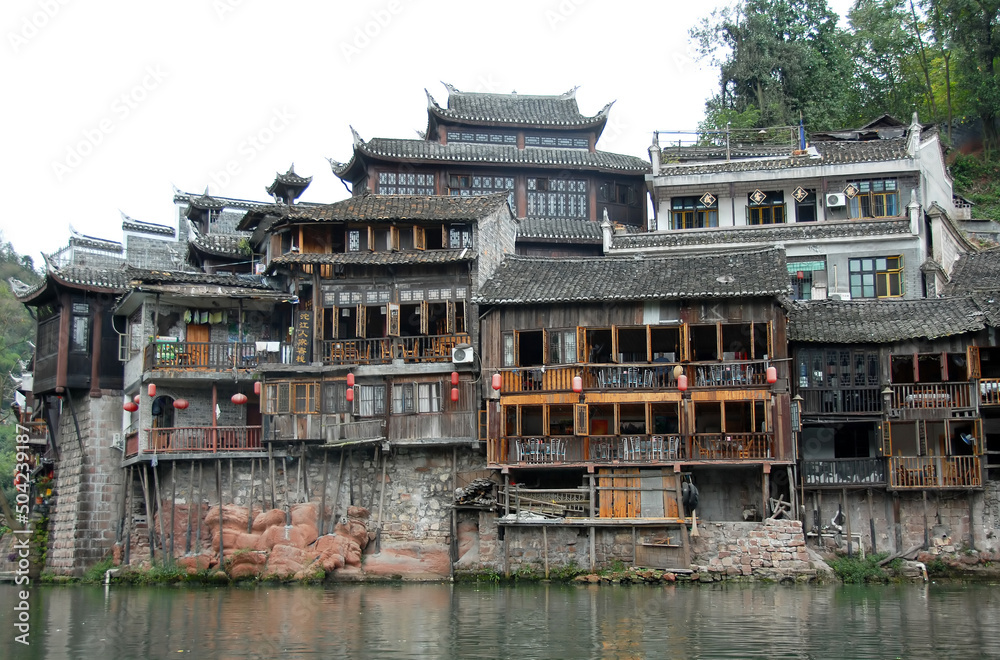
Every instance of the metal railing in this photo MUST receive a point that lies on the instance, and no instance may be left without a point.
(202, 439)
(935, 472)
(843, 471)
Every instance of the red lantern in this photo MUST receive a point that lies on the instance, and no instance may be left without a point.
(151, 389)
(256, 387)
(350, 380)
(772, 375)
(497, 382)
(454, 394)
(181, 404)
(800, 275)
(682, 382)
(577, 384)
(350, 394)
(131, 406)
(137, 398)
(454, 378)
(239, 398)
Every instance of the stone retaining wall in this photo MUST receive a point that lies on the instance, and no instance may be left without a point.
(773, 549)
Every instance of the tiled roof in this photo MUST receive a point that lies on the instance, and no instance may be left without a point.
(111, 280)
(142, 276)
(515, 109)
(542, 157)
(534, 280)
(797, 231)
(223, 245)
(289, 178)
(836, 153)
(561, 229)
(976, 271)
(881, 321)
(369, 207)
(131, 224)
(206, 202)
(377, 258)
(95, 243)
(989, 303)
(228, 202)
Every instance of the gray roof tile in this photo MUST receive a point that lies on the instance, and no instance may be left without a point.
(536, 280)
(369, 207)
(881, 321)
(976, 271)
(561, 229)
(515, 109)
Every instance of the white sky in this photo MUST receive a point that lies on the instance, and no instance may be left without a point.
(111, 102)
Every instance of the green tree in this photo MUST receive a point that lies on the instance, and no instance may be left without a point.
(786, 58)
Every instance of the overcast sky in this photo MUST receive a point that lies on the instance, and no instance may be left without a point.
(110, 103)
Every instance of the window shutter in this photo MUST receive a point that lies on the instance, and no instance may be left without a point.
(334, 323)
(419, 238)
(450, 329)
(123, 346)
(546, 352)
(393, 311)
(361, 320)
(972, 358)
(614, 344)
(371, 239)
(581, 419)
(770, 340)
(444, 236)
(581, 345)
(394, 238)
(424, 317)
(685, 354)
(887, 438)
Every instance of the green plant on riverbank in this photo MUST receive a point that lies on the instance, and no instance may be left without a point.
(854, 570)
(96, 572)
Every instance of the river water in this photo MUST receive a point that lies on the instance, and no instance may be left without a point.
(523, 621)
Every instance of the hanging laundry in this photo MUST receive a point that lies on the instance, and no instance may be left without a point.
(215, 317)
(187, 315)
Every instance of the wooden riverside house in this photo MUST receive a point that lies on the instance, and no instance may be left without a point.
(539, 149)
(590, 355)
(889, 393)
(383, 288)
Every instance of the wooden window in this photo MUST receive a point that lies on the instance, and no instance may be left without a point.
(561, 347)
(766, 210)
(509, 349)
(393, 310)
(305, 399)
(402, 399)
(876, 277)
(429, 397)
(425, 316)
(557, 198)
(972, 359)
(394, 238)
(876, 198)
(335, 397)
(361, 321)
(419, 238)
(459, 236)
(369, 400)
(581, 419)
(691, 213)
(405, 183)
(277, 400)
(354, 240)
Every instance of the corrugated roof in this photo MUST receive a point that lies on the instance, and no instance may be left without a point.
(536, 280)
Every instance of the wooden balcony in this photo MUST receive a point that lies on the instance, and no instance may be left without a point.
(610, 377)
(208, 356)
(731, 447)
(37, 433)
(460, 425)
(847, 400)
(917, 400)
(989, 392)
(844, 472)
(921, 472)
(383, 350)
(197, 439)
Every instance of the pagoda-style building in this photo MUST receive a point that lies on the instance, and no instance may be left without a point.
(539, 148)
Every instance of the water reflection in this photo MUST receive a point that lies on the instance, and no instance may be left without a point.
(527, 621)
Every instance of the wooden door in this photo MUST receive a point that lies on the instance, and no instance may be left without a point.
(197, 344)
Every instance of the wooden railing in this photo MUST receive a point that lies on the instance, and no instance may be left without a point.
(843, 471)
(204, 355)
(935, 472)
(383, 350)
(842, 400)
(37, 432)
(731, 446)
(989, 391)
(351, 432)
(132, 444)
(202, 439)
(628, 377)
(922, 396)
(459, 424)
(609, 449)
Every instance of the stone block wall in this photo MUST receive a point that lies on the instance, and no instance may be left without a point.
(83, 520)
(772, 549)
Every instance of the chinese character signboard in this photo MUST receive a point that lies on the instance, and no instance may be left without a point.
(302, 337)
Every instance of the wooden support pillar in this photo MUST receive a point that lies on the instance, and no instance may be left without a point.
(593, 532)
(96, 334)
(545, 548)
(336, 492)
(847, 516)
(685, 539)
(173, 506)
(322, 497)
(129, 507)
(897, 525)
(927, 529)
(871, 522)
(972, 519)
(201, 496)
(218, 483)
(253, 464)
(793, 493)
(187, 539)
(149, 513)
(270, 465)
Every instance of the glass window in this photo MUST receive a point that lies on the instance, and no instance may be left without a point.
(369, 400)
(429, 397)
(562, 346)
(557, 198)
(405, 183)
(876, 277)
(80, 336)
(402, 399)
(691, 213)
(876, 198)
(767, 208)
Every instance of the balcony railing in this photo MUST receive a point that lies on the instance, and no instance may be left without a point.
(731, 446)
(628, 377)
(353, 432)
(915, 472)
(37, 432)
(383, 350)
(842, 400)
(457, 424)
(843, 471)
(205, 355)
(933, 396)
(209, 439)
(989, 392)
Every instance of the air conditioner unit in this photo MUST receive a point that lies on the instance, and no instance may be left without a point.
(839, 295)
(462, 354)
(117, 441)
(836, 199)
